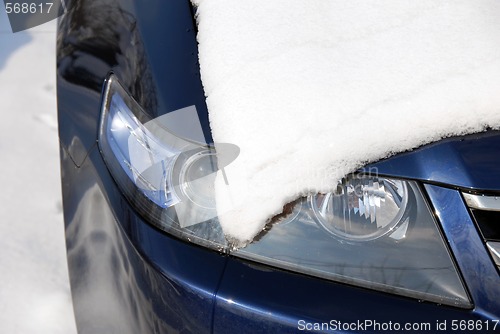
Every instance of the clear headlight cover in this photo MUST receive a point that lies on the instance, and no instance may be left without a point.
(393, 245)
(168, 179)
(372, 231)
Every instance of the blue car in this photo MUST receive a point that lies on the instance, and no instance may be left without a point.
(409, 243)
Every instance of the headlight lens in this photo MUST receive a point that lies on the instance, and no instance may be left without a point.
(168, 179)
(397, 248)
(373, 231)
(361, 209)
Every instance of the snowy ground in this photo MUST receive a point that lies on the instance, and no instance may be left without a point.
(34, 287)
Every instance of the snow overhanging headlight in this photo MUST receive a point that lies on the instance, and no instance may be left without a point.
(371, 231)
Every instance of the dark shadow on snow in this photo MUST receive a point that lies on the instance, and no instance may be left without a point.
(10, 42)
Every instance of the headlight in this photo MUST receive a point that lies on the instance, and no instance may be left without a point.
(362, 208)
(373, 231)
(168, 179)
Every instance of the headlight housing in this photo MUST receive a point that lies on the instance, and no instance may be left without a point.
(167, 179)
(375, 232)
(401, 251)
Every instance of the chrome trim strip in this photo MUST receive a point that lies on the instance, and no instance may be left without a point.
(494, 248)
(488, 203)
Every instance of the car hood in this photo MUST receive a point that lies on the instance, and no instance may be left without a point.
(470, 162)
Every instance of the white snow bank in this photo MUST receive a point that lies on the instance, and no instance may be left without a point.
(311, 90)
(34, 285)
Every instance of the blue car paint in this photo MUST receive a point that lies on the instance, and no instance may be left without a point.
(468, 162)
(129, 277)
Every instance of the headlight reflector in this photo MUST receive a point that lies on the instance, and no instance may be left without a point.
(362, 209)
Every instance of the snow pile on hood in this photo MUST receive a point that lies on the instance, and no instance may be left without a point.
(312, 90)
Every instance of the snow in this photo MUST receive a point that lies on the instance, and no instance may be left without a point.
(312, 90)
(34, 294)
